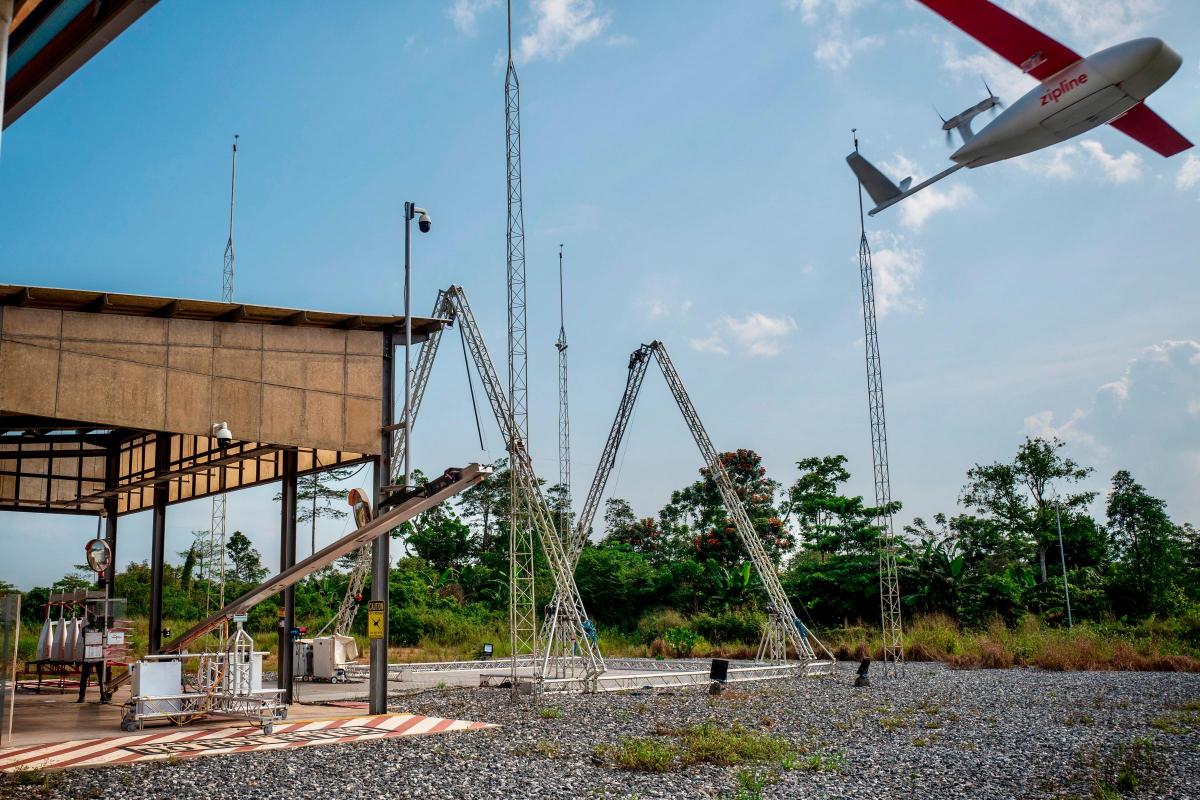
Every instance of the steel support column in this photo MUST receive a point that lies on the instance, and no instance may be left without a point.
(287, 558)
(158, 541)
(381, 551)
(111, 465)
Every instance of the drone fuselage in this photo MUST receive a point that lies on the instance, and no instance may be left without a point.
(1089, 93)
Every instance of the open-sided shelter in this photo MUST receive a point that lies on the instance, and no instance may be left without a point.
(108, 402)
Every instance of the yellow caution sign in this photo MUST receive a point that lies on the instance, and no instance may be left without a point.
(375, 619)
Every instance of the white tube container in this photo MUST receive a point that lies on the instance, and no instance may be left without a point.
(77, 642)
(45, 646)
(58, 646)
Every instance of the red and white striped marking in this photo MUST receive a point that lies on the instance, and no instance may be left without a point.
(189, 742)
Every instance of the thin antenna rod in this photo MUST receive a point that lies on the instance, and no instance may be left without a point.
(862, 222)
(562, 318)
(510, 31)
(227, 274)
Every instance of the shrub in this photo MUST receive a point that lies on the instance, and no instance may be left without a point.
(655, 624)
(682, 641)
(732, 627)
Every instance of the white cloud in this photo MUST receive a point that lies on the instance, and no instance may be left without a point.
(756, 335)
(1087, 158)
(560, 26)
(1058, 162)
(1188, 176)
(465, 14)
(1086, 25)
(1146, 421)
(1115, 169)
(810, 10)
(917, 209)
(837, 52)
(658, 308)
(896, 266)
(1006, 81)
(839, 44)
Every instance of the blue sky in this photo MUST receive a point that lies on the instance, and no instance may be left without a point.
(690, 157)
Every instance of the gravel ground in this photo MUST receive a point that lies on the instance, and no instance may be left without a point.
(940, 733)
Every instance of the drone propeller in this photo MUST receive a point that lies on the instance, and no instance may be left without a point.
(996, 102)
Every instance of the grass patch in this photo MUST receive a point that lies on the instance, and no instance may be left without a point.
(709, 744)
(749, 785)
(548, 749)
(712, 744)
(639, 753)
(1165, 645)
(1182, 719)
(30, 778)
(550, 712)
(1131, 768)
(892, 723)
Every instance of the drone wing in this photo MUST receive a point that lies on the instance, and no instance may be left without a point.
(1151, 130)
(1018, 42)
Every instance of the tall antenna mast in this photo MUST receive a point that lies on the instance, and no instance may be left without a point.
(564, 417)
(216, 541)
(889, 580)
(522, 613)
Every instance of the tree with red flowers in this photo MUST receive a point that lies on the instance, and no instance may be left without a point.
(699, 512)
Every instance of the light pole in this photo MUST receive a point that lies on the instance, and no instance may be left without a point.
(380, 556)
(424, 223)
(1062, 555)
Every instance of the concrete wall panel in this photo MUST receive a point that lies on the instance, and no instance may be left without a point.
(152, 354)
(28, 377)
(106, 390)
(185, 358)
(32, 322)
(283, 414)
(324, 416)
(233, 334)
(240, 404)
(364, 376)
(190, 331)
(113, 328)
(189, 401)
(303, 340)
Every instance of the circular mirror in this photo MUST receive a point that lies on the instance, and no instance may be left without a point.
(98, 555)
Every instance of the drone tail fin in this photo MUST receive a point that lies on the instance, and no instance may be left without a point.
(882, 191)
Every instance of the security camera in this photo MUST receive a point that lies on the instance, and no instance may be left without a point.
(222, 434)
(423, 222)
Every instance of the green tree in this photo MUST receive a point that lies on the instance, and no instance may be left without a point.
(318, 498)
(486, 506)
(1020, 495)
(714, 534)
(828, 522)
(247, 561)
(1150, 556)
(441, 539)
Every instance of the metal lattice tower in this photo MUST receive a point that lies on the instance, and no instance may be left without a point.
(783, 626)
(522, 614)
(572, 656)
(564, 416)
(559, 648)
(889, 579)
(216, 540)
